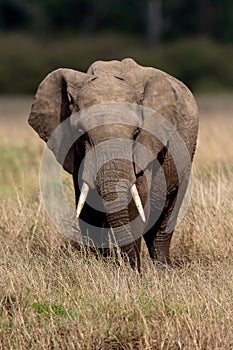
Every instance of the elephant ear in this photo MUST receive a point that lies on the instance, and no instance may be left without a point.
(158, 109)
(51, 107)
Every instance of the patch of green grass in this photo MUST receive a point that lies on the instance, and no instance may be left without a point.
(45, 308)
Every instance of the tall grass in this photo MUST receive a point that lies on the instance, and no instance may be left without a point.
(54, 297)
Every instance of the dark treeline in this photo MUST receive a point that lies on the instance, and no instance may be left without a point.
(190, 39)
(153, 19)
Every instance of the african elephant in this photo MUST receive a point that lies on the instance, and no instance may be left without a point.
(127, 185)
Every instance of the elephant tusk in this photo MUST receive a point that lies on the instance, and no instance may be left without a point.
(138, 202)
(82, 198)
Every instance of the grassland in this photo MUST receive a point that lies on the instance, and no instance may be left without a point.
(53, 297)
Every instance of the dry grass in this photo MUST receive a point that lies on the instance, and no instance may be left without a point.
(53, 297)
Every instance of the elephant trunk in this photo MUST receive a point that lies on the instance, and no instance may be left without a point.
(114, 180)
(114, 189)
(113, 185)
(109, 168)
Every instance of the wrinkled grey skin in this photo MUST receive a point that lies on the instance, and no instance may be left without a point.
(122, 81)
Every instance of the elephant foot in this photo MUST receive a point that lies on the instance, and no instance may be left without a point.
(158, 246)
(163, 264)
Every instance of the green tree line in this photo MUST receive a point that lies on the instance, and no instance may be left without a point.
(154, 19)
(190, 39)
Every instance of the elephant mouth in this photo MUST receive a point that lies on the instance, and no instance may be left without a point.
(134, 193)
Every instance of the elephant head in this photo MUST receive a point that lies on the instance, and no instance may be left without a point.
(103, 105)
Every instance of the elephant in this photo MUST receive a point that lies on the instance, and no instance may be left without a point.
(135, 181)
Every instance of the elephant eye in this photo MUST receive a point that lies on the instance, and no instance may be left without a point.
(71, 100)
(120, 78)
(80, 131)
(136, 132)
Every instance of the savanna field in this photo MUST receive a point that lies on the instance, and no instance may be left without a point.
(53, 296)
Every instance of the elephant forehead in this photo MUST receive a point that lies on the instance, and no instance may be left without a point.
(105, 89)
(111, 131)
(112, 113)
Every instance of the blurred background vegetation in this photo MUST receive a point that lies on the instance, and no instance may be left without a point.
(192, 40)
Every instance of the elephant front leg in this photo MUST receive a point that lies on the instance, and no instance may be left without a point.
(158, 244)
(158, 237)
